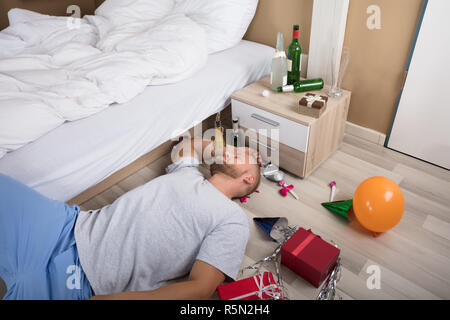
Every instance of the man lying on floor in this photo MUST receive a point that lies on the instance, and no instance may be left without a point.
(177, 224)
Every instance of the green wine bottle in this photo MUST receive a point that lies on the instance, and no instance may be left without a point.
(303, 86)
(294, 58)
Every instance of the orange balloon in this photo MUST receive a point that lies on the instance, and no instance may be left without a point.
(378, 204)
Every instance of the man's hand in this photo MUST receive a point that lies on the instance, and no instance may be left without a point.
(200, 149)
(204, 150)
(255, 154)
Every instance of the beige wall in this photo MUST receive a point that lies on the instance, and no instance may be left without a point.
(280, 15)
(54, 7)
(378, 58)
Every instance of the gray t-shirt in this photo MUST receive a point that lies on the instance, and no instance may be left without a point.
(155, 233)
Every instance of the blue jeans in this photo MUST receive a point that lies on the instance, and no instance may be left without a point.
(38, 254)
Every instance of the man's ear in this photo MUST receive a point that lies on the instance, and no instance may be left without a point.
(248, 179)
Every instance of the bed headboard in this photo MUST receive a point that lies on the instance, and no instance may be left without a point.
(53, 7)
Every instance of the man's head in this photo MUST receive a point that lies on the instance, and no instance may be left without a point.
(240, 170)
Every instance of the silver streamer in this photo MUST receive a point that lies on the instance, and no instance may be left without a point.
(284, 234)
(327, 292)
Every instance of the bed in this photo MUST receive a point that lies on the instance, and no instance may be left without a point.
(80, 154)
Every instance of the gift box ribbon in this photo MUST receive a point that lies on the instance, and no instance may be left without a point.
(311, 99)
(270, 290)
(304, 243)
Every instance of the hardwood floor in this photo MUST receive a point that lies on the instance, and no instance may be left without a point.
(413, 258)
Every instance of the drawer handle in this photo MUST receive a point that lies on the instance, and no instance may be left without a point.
(264, 119)
(264, 145)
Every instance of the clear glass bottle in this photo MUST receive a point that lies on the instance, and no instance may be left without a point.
(278, 72)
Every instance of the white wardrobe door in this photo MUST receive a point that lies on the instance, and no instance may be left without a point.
(422, 123)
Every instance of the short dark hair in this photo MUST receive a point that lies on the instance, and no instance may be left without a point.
(231, 171)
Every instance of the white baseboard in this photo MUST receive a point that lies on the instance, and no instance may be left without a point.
(365, 133)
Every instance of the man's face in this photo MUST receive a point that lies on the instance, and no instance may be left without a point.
(238, 162)
(235, 162)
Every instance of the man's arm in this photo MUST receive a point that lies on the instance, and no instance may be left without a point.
(203, 281)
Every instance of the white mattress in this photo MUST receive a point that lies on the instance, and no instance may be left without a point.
(79, 154)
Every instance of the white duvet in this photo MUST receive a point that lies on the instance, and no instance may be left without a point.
(57, 69)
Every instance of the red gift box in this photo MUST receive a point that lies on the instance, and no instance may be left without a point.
(259, 287)
(309, 256)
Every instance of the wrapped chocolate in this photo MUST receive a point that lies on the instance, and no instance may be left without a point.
(313, 105)
(315, 101)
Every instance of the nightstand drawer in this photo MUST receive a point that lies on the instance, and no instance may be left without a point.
(279, 154)
(292, 134)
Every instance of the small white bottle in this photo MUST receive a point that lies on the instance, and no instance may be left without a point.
(279, 70)
(238, 136)
(235, 136)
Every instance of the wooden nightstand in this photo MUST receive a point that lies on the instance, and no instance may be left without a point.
(302, 142)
